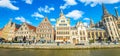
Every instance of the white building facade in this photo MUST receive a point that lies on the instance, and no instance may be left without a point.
(79, 34)
(62, 29)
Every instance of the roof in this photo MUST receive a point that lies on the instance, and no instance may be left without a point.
(95, 29)
(17, 26)
(45, 20)
(73, 28)
(31, 27)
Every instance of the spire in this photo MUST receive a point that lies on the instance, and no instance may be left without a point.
(10, 21)
(105, 12)
(91, 23)
(78, 23)
(13, 25)
(61, 13)
(68, 20)
(116, 11)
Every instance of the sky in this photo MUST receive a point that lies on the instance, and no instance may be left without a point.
(34, 11)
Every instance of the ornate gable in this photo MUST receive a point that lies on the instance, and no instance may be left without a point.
(27, 27)
(45, 23)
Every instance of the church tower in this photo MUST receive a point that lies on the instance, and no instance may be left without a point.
(109, 25)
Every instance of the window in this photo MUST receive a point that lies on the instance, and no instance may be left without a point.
(119, 26)
(83, 33)
(25, 28)
(62, 20)
(84, 38)
(73, 33)
(80, 33)
(107, 19)
(76, 33)
(63, 24)
(50, 35)
(21, 28)
(111, 19)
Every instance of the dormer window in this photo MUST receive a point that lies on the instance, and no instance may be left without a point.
(25, 28)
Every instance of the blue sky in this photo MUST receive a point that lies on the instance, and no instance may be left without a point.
(33, 11)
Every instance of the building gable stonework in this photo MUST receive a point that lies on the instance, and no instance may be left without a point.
(45, 31)
(26, 31)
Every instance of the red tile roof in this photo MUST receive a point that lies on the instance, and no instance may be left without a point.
(16, 29)
(31, 27)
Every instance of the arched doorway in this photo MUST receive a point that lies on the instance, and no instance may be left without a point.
(74, 40)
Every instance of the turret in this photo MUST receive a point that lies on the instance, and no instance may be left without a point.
(91, 23)
(105, 12)
(10, 21)
(116, 12)
(61, 13)
(69, 20)
(78, 23)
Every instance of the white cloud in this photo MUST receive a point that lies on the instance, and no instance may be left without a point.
(22, 19)
(52, 19)
(46, 9)
(8, 4)
(75, 14)
(28, 1)
(93, 3)
(37, 15)
(117, 7)
(68, 3)
(86, 19)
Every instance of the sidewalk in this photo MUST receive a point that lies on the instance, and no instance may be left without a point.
(54, 46)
